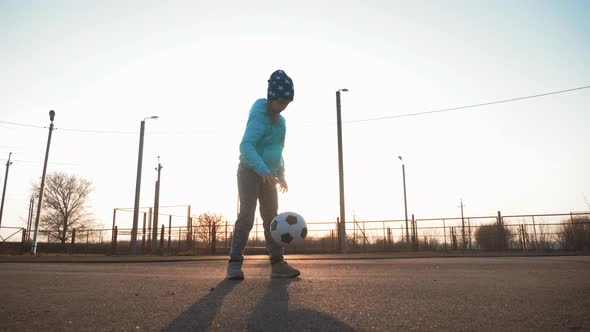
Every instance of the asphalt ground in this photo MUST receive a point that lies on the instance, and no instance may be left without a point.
(332, 294)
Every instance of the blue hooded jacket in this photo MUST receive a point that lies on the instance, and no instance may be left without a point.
(263, 142)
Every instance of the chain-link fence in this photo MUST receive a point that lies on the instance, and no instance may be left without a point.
(521, 233)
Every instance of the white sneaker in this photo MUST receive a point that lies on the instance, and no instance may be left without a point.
(234, 271)
(283, 270)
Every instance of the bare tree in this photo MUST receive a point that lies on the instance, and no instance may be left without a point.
(65, 207)
(209, 226)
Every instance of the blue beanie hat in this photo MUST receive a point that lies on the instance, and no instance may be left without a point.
(280, 86)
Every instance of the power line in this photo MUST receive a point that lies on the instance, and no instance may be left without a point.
(468, 106)
(39, 162)
(98, 131)
(349, 121)
(21, 124)
(69, 129)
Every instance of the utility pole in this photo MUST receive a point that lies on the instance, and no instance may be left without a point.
(42, 188)
(405, 198)
(133, 242)
(342, 228)
(156, 210)
(463, 225)
(8, 163)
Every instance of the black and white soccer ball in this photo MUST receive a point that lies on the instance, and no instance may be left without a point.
(288, 228)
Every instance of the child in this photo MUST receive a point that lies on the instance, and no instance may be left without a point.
(260, 171)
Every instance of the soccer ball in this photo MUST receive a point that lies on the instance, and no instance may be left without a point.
(288, 228)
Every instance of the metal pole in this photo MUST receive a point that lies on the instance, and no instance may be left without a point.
(30, 218)
(500, 231)
(8, 163)
(137, 190)
(342, 233)
(143, 235)
(535, 231)
(463, 226)
(156, 209)
(114, 222)
(40, 202)
(169, 230)
(405, 199)
(445, 234)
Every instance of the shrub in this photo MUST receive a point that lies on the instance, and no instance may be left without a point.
(574, 234)
(487, 237)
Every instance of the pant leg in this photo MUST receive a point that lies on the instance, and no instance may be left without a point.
(269, 205)
(248, 189)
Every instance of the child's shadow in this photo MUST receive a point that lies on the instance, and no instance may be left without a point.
(272, 313)
(201, 314)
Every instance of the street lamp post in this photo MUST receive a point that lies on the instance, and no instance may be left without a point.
(342, 229)
(42, 188)
(405, 199)
(133, 243)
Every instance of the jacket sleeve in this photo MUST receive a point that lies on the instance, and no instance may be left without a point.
(254, 133)
(281, 172)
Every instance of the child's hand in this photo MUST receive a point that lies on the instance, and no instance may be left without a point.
(269, 178)
(283, 187)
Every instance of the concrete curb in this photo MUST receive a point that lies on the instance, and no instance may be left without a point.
(316, 257)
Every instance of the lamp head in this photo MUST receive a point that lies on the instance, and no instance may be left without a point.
(51, 115)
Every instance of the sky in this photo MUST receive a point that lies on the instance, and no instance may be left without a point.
(199, 65)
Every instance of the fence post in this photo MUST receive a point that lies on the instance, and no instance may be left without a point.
(415, 232)
(73, 240)
(573, 231)
(162, 233)
(24, 241)
(169, 230)
(522, 241)
(339, 240)
(364, 238)
(114, 223)
(189, 234)
(500, 231)
(114, 244)
(213, 238)
(535, 231)
(143, 235)
(389, 238)
(151, 231)
(469, 228)
(385, 239)
(188, 225)
(526, 238)
(445, 234)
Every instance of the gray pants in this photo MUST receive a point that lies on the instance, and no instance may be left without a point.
(251, 189)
